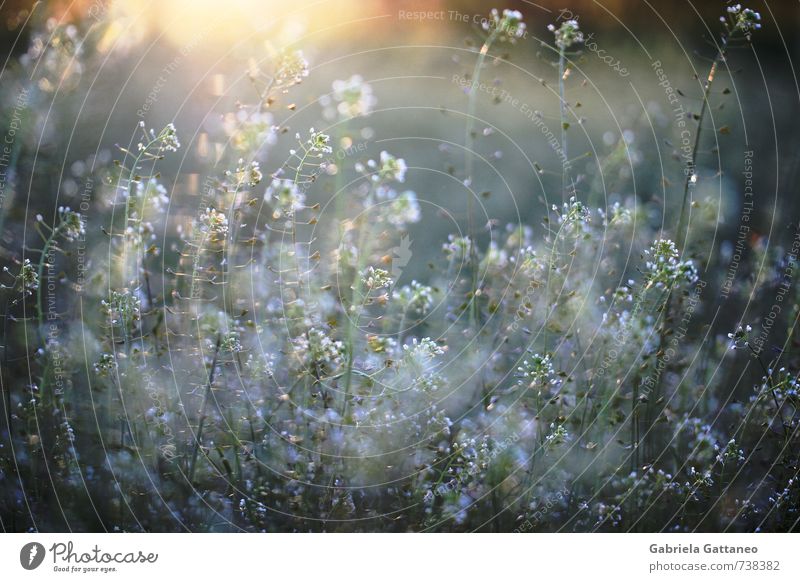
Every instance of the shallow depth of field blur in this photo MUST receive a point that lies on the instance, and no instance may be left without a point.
(399, 266)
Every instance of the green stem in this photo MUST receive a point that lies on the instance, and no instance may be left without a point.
(131, 179)
(691, 167)
(551, 266)
(468, 146)
(772, 388)
(294, 220)
(352, 325)
(682, 237)
(563, 116)
(206, 397)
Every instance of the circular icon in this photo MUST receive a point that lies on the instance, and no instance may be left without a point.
(31, 555)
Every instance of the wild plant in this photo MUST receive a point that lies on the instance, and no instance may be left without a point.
(261, 362)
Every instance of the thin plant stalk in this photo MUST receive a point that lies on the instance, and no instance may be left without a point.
(563, 118)
(468, 169)
(206, 397)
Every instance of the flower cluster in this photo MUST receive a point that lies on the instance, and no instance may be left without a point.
(287, 196)
(249, 174)
(664, 267)
(730, 453)
(291, 69)
(169, 138)
(558, 435)
(699, 479)
(260, 366)
(574, 213)
(249, 130)
(105, 365)
(165, 140)
(624, 293)
(350, 98)
(376, 278)
(536, 371)
(403, 209)
(459, 247)
(231, 343)
(745, 20)
(740, 337)
(507, 27)
(28, 277)
(71, 224)
(423, 350)
(416, 297)
(381, 344)
(784, 496)
(428, 383)
(617, 215)
(390, 168)
(568, 34)
(149, 191)
(214, 222)
(386, 169)
(55, 56)
(317, 143)
(316, 348)
(122, 307)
